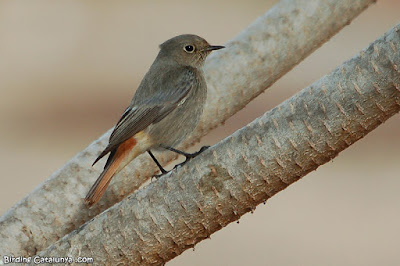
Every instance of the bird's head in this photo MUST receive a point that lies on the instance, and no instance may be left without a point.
(187, 50)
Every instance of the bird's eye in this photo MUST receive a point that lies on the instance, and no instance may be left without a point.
(189, 48)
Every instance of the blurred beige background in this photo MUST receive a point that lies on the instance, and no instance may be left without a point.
(69, 68)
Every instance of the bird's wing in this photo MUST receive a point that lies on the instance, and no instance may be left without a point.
(152, 110)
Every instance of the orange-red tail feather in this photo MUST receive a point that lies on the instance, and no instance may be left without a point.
(99, 187)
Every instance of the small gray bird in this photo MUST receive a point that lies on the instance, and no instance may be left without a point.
(165, 109)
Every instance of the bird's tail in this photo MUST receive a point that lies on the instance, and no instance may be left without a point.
(118, 159)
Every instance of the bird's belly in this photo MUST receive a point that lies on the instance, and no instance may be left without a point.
(180, 123)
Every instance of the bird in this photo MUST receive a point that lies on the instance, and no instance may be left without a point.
(165, 109)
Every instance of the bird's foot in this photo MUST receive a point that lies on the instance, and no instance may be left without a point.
(190, 156)
(163, 172)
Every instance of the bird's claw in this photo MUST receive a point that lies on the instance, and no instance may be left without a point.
(160, 175)
(191, 155)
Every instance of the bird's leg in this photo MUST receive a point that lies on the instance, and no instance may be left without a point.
(163, 171)
(187, 155)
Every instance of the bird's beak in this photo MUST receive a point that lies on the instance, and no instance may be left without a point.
(214, 47)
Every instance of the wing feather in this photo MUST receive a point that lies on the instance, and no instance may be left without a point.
(172, 90)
